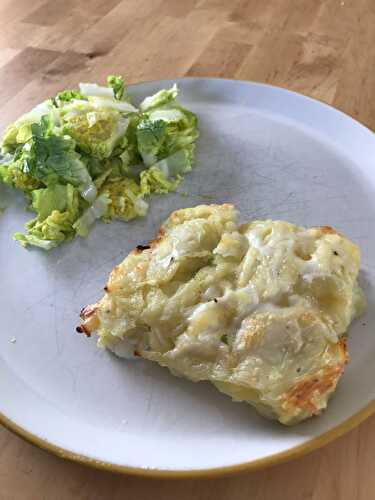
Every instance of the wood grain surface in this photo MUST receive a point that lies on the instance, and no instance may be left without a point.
(322, 48)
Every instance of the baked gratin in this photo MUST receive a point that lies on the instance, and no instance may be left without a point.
(259, 309)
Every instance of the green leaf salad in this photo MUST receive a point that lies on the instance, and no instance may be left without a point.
(90, 154)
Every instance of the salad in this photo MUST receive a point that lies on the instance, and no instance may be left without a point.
(90, 154)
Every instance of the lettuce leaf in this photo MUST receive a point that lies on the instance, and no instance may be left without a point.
(95, 90)
(20, 131)
(177, 163)
(153, 180)
(96, 131)
(126, 199)
(118, 86)
(98, 209)
(111, 103)
(51, 159)
(57, 197)
(93, 140)
(14, 176)
(161, 98)
(9, 142)
(68, 95)
(163, 132)
(151, 138)
(57, 209)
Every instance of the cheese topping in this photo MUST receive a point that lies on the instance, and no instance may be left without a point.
(258, 309)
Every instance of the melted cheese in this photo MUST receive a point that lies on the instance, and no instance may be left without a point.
(258, 309)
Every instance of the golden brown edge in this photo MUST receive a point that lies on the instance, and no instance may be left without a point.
(277, 458)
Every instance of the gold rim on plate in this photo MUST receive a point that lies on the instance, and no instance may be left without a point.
(275, 459)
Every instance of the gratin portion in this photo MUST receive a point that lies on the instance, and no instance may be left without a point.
(259, 309)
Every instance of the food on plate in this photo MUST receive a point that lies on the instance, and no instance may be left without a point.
(259, 309)
(90, 153)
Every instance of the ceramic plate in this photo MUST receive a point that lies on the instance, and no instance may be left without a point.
(274, 154)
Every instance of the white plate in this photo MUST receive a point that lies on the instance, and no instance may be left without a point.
(274, 154)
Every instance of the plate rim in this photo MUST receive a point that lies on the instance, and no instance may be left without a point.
(247, 466)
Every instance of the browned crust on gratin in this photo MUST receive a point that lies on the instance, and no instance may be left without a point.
(141, 248)
(155, 242)
(151, 244)
(327, 230)
(82, 329)
(89, 320)
(115, 270)
(88, 311)
(301, 395)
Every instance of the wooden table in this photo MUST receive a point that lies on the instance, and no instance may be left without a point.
(322, 48)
